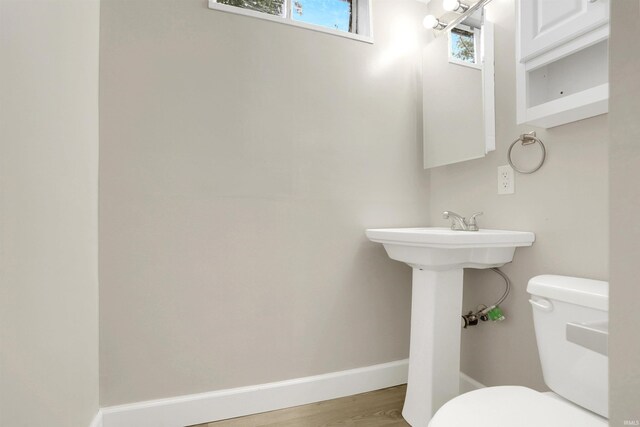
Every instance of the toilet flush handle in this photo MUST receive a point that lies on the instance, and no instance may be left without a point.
(542, 304)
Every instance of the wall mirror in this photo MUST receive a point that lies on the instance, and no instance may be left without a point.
(458, 83)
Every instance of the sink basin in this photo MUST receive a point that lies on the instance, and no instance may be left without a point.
(438, 256)
(442, 248)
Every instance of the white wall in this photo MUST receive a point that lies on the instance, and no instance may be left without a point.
(565, 203)
(624, 344)
(240, 162)
(48, 212)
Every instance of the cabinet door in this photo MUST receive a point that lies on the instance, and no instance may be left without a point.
(545, 24)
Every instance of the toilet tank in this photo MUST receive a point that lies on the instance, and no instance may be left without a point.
(570, 370)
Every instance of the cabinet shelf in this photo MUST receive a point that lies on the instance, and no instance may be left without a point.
(587, 103)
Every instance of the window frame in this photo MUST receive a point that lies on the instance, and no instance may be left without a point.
(361, 13)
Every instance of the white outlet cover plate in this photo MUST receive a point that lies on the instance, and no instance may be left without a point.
(506, 180)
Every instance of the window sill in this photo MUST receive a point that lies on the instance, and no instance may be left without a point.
(273, 18)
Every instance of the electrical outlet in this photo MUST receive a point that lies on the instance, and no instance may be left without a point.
(506, 183)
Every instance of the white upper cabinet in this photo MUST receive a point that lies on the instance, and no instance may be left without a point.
(546, 24)
(562, 61)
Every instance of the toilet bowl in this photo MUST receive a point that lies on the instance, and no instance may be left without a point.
(576, 374)
(512, 406)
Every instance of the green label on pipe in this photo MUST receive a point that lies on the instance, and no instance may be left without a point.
(496, 314)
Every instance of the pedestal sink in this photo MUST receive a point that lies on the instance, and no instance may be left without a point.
(438, 257)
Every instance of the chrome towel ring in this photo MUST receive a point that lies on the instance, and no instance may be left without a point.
(527, 139)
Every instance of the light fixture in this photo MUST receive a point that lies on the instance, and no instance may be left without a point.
(464, 11)
(454, 6)
(431, 21)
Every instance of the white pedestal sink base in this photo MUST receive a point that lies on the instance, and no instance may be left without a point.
(434, 357)
(438, 256)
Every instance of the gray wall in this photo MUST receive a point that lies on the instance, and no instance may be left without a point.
(624, 344)
(48, 212)
(240, 162)
(564, 203)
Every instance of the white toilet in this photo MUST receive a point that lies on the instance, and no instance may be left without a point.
(563, 308)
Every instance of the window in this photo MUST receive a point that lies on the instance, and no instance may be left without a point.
(335, 14)
(464, 46)
(348, 18)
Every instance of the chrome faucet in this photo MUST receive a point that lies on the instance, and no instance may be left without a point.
(460, 223)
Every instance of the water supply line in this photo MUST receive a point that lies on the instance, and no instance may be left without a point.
(492, 312)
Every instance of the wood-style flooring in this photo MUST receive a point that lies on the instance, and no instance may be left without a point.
(374, 409)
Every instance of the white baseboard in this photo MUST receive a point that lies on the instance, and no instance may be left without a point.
(223, 404)
(219, 405)
(468, 384)
(97, 420)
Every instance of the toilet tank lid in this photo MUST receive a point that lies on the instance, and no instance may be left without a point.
(574, 290)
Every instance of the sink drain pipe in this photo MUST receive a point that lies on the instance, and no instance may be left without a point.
(492, 312)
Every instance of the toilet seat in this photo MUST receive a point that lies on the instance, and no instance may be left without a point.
(512, 406)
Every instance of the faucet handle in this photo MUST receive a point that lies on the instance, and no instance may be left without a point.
(471, 222)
